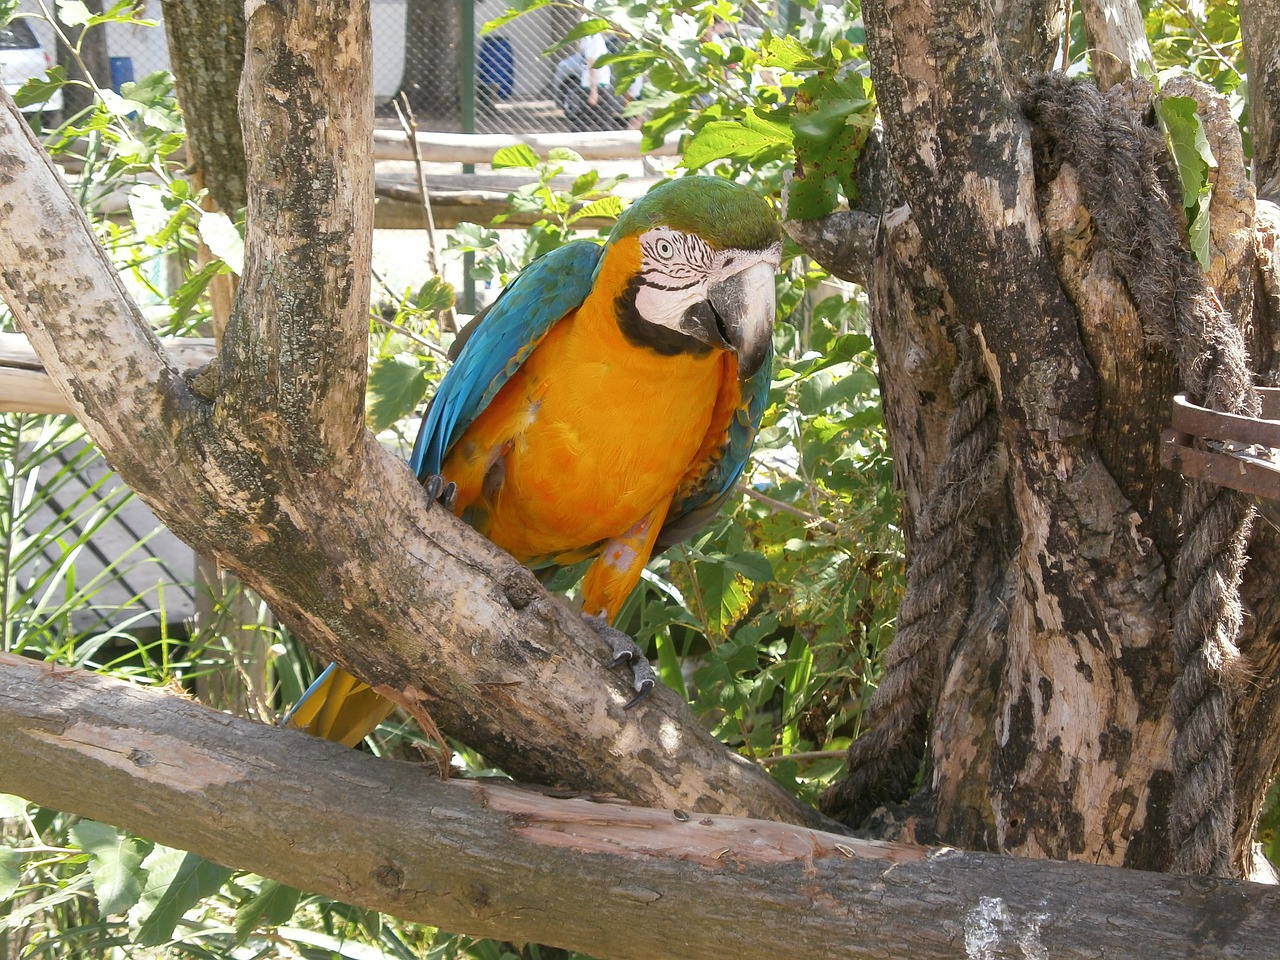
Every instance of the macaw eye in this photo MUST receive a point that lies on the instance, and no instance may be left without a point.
(664, 248)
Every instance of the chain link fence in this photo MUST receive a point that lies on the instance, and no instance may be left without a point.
(433, 54)
(457, 78)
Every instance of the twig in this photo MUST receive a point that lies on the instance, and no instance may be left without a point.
(431, 347)
(1184, 9)
(434, 349)
(410, 127)
(700, 609)
(1066, 40)
(812, 518)
(802, 755)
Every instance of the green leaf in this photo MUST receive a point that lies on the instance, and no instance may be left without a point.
(519, 155)
(148, 210)
(563, 155)
(122, 12)
(10, 872)
(115, 863)
(785, 52)
(832, 116)
(273, 905)
(799, 670)
(584, 183)
(72, 890)
(754, 566)
(176, 882)
(435, 295)
(1190, 145)
(585, 28)
(608, 207)
(725, 595)
(669, 663)
(1194, 159)
(750, 138)
(516, 8)
(73, 13)
(223, 240)
(1198, 234)
(11, 806)
(396, 387)
(183, 300)
(38, 90)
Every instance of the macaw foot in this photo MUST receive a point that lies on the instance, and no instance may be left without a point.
(625, 651)
(446, 491)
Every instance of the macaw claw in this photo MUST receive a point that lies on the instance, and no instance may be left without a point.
(446, 491)
(625, 651)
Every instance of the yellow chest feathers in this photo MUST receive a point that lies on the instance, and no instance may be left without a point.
(591, 434)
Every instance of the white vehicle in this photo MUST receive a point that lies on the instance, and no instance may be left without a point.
(21, 58)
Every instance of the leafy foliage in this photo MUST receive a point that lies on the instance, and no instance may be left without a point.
(1195, 162)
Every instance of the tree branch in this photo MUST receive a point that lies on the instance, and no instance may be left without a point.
(69, 299)
(26, 387)
(345, 549)
(616, 881)
(294, 353)
(1260, 31)
(210, 68)
(842, 243)
(1117, 40)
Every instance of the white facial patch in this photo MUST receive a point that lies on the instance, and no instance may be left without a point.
(675, 271)
(678, 269)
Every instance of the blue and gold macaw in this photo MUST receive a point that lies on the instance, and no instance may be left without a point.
(603, 406)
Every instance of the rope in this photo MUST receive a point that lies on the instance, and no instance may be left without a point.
(882, 764)
(1119, 161)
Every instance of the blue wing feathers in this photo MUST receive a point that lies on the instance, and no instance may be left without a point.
(505, 335)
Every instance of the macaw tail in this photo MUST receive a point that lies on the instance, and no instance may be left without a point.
(339, 707)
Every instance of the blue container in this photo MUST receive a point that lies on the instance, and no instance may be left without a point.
(121, 72)
(496, 66)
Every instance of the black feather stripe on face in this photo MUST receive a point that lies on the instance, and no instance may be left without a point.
(641, 333)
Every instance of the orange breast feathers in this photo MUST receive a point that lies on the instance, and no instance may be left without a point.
(581, 451)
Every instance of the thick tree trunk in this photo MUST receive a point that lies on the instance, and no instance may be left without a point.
(90, 64)
(206, 47)
(1117, 40)
(432, 45)
(268, 468)
(1260, 30)
(1025, 395)
(612, 880)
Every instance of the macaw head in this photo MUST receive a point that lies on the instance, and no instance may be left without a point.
(710, 250)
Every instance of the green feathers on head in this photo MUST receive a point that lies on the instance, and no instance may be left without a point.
(723, 213)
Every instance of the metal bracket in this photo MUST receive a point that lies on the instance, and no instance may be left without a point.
(1237, 447)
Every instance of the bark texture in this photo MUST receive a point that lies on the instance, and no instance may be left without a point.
(91, 64)
(206, 46)
(493, 860)
(268, 467)
(1027, 357)
(432, 61)
(1117, 40)
(1260, 31)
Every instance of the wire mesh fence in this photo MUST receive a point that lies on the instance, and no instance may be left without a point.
(456, 78)
(431, 53)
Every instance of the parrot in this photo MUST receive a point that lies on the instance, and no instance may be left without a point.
(602, 407)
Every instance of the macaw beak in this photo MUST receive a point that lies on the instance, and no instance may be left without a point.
(745, 306)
